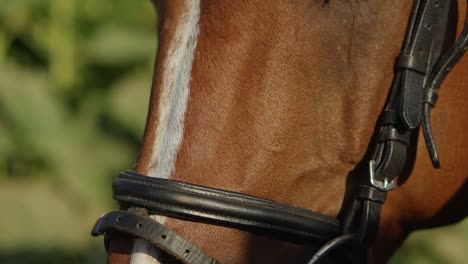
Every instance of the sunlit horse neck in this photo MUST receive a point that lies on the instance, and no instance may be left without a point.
(280, 101)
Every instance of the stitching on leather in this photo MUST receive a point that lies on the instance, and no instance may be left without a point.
(315, 217)
(241, 220)
(215, 196)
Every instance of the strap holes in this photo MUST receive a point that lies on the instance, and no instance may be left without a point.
(428, 26)
(437, 4)
(118, 219)
(420, 50)
(187, 251)
(163, 236)
(139, 225)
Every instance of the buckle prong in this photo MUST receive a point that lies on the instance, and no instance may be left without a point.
(383, 185)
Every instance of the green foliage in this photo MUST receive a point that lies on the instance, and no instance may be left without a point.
(440, 245)
(74, 87)
(74, 84)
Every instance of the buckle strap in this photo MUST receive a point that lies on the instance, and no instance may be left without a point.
(422, 47)
(123, 222)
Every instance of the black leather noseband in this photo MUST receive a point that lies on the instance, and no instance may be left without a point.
(419, 71)
(231, 209)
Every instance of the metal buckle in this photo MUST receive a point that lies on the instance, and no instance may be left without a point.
(384, 185)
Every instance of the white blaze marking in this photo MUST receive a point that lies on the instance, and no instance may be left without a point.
(172, 106)
(174, 93)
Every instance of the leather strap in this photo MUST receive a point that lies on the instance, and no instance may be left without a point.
(438, 74)
(123, 222)
(213, 206)
(421, 49)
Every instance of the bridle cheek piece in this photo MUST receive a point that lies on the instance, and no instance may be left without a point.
(419, 72)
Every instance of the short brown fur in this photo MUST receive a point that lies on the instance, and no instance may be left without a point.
(283, 102)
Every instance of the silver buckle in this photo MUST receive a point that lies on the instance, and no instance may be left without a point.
(384, 185)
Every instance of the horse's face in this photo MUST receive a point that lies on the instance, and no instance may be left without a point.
(277, 100)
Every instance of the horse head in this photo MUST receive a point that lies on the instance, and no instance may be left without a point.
(275, 129)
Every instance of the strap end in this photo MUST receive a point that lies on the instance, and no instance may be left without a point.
(96, 231)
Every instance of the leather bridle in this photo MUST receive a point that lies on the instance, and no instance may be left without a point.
(419, 71)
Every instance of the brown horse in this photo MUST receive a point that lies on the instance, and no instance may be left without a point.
(280, 100)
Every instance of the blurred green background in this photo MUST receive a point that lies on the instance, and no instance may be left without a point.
(75, 78)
